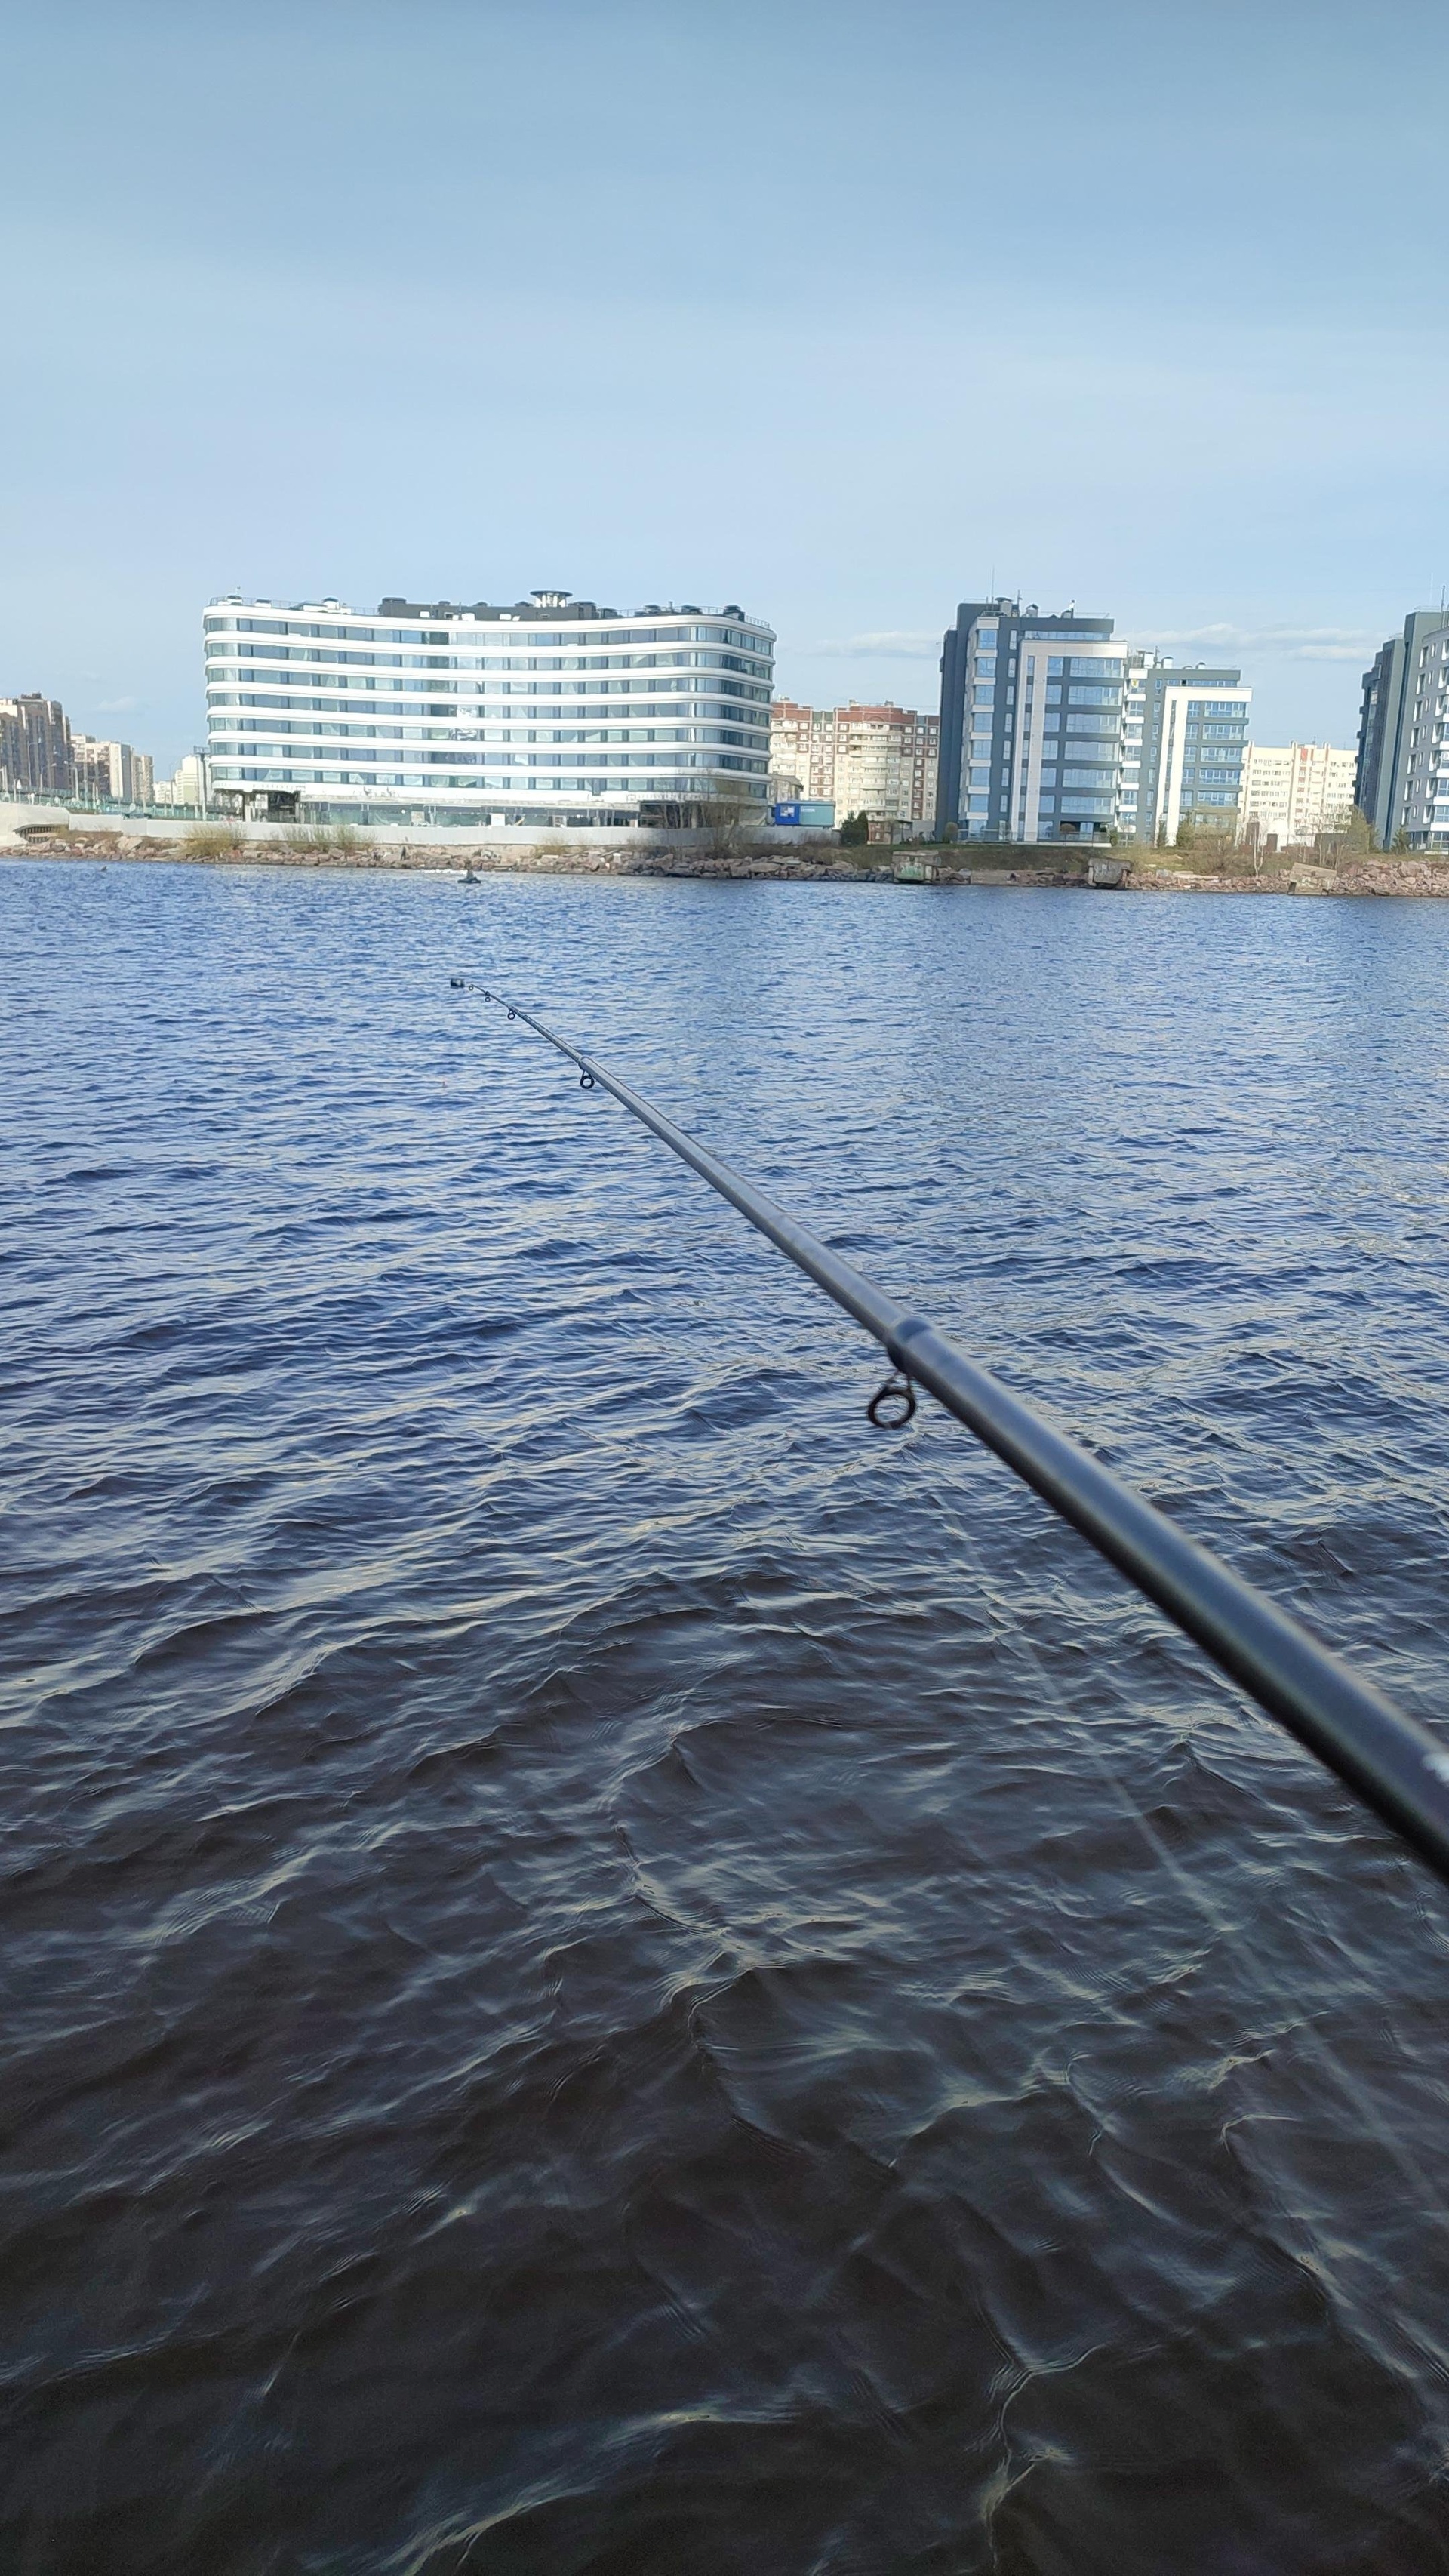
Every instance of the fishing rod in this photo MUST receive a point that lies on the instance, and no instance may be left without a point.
(1386, 1758)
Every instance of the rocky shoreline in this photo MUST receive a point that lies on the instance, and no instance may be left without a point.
(1382, 875)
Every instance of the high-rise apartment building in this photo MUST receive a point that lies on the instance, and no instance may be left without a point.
(90, 766)
(112, 770)
(35, 749)
(1293, 791)
(1031, 724)
(1402, 769)
(553, 711)
(879, 760)
(1189, 764)
(802, 750)
(1053, 730)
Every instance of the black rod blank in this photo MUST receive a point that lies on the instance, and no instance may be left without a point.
(1388, 1759)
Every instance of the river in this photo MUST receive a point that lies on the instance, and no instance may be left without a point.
(610, 1972)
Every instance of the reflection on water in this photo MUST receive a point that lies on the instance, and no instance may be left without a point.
(607, 1970)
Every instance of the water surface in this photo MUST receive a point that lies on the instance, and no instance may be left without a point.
(607, 1970)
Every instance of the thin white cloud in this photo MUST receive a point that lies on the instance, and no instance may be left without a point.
(1288, 643)
(896, 644)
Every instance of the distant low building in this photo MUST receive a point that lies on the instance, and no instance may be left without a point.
(874, 760)
(189, 786)
(803, 813)
(1293, 791)
(35, 747)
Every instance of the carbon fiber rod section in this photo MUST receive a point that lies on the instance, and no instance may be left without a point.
(1388, 1759)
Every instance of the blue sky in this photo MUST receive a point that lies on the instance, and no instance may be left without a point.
(845, 312)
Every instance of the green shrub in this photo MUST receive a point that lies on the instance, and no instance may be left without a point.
(339, 840)
(211, 841)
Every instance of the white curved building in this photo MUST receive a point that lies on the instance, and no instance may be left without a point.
(552, 712)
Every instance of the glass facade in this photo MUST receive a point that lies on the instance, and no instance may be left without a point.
(1052, 729)
(1009, 676)
(530, 713)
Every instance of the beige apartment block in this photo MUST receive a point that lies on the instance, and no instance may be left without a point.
(877, 760)
(802, 750)
(1293, 791)
(112, 769)
(188, 787)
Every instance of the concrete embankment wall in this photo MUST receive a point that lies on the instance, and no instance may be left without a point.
(452, 838)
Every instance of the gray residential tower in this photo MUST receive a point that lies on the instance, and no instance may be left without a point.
(1402, 779)
(1031, 721)
(1051, 730)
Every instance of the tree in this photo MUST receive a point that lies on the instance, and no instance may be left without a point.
(724, 819)
(855, 832)
(1351, 836)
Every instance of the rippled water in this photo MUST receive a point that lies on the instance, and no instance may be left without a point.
(608, 1971)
